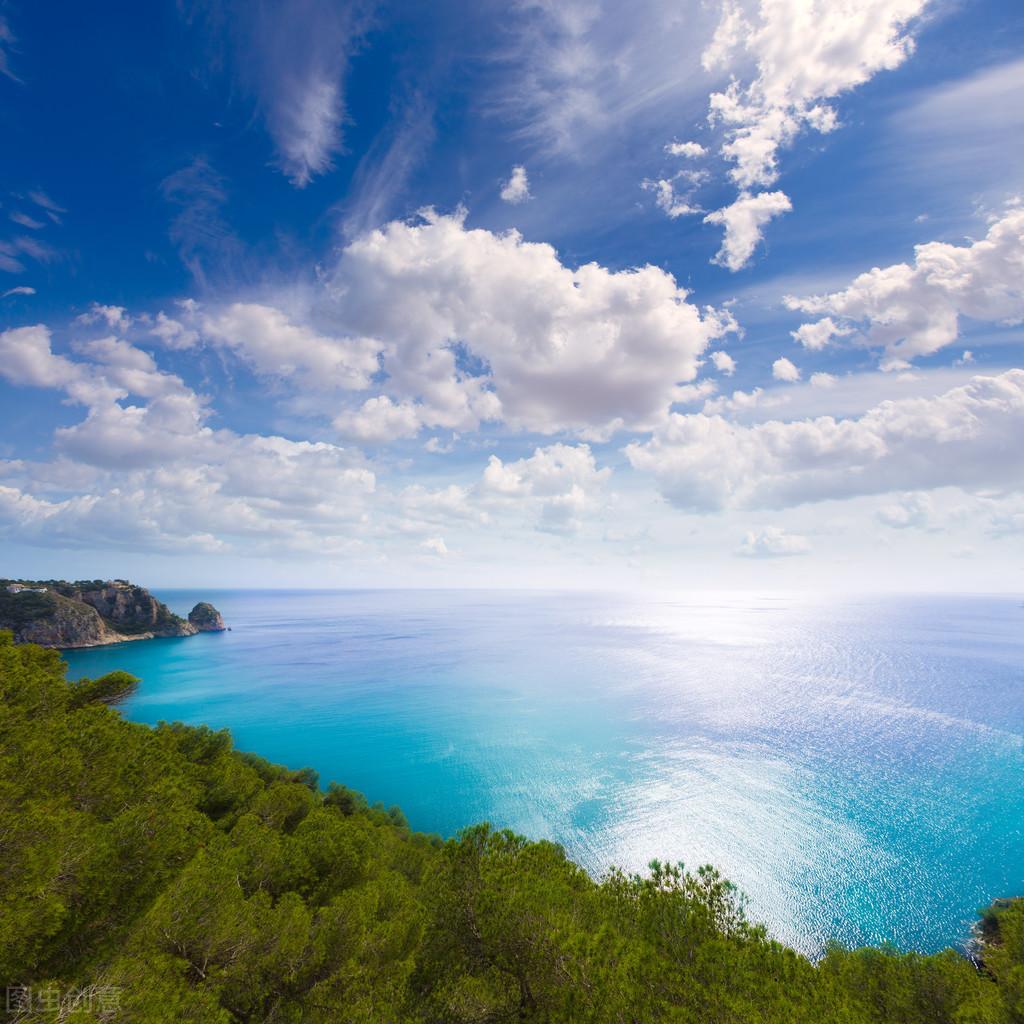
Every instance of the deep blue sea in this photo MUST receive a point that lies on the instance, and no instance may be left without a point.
(855, 765)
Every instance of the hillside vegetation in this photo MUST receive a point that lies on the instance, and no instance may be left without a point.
(157, 875)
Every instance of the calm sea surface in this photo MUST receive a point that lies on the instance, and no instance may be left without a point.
(856, 766)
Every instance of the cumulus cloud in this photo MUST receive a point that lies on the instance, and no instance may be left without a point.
(449, 328)
(147, 470)
(772, 542)
(379, 420)
(671, 197)
(159, 474)
(559, 482)
(817, 335)
(27, 359)
(966, 437)
(517, 188)
(473, 325)
(803, 54)
(275, 346)
(787, 60)
(689, 150)
(912, 310)
(783, 369)
(744, 222)
(723, 362)
(173, 333)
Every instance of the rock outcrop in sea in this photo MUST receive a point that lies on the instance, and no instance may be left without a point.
(90, 613)
(206, 618)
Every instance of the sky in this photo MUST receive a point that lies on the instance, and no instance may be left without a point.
(552, 293)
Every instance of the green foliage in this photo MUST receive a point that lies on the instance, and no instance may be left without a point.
(199, 884)
(112, 688)
(24, 607)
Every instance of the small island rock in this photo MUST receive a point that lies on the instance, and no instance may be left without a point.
(206, 618)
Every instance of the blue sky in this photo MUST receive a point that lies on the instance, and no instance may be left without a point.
(542, 294)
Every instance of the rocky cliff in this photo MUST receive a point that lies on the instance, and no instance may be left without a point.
(55, 613)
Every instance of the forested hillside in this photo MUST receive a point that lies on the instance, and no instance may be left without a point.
(158, 875)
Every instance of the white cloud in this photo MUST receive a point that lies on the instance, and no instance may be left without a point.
(7, 42)
(115, 317)
(25, 220)
(21, 289)
(473, 325)
(772, 542)
(153, 474)
(435, 546)
(724, 362)
(689, 150)
(41, 199)
(744, 221)
(580, 75)
(27, 359)
(783, 369)
(205, 241)
(172, 333)
(911, 510)
(517, 188)
(959, 137)
(914, 310)
(787, 59)
(668, 200)
(804, 53)
(160, 476)
(292, 61)
(967, 437)
(823, 380)
(379, 420)
(275, 346)
(558, 482)
(817, 335)
(14, 250)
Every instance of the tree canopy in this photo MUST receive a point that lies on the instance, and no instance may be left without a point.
(157, 875)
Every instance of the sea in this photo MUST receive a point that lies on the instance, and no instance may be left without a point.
(855, 765)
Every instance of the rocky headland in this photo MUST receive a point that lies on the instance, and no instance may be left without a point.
(91, 613)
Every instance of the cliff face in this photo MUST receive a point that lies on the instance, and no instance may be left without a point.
(58, 614)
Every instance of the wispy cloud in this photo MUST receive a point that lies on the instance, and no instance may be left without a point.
(292, 60)
(14, 250)
(203, 237)
(384, 171)
(7, 42)
(25, 220)
(40, 198)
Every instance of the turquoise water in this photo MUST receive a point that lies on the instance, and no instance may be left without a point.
(855, 765)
